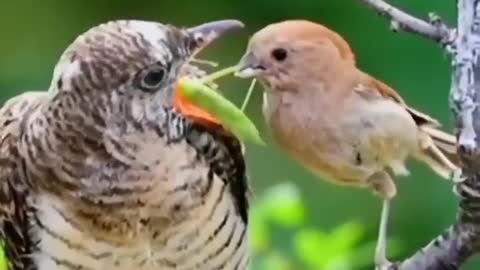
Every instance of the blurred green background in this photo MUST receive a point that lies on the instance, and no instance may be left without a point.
(300, 222)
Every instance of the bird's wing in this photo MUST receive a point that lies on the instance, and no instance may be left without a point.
(438, 148)
(373, 88)
(13, 189)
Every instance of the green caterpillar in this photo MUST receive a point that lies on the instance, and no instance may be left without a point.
(233, 118)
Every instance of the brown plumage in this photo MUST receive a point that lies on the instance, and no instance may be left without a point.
(103, 172)
(336, 120)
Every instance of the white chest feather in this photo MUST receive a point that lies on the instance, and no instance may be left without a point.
(193, 244)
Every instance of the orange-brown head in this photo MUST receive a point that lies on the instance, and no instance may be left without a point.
(283, 53)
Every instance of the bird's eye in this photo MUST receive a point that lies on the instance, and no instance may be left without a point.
(153, 78)
(279, 54)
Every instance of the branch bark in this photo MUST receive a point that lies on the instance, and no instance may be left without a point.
(434, 29)
(450, 250)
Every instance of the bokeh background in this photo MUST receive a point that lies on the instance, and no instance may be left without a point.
(299, 221)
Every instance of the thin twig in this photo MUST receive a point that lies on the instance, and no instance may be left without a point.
(435, 29)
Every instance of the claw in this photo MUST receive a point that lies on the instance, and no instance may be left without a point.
(394, 26)
(435, 19)
(386, 265)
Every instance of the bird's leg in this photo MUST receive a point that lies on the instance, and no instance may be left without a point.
(381, 260)
(382, 184)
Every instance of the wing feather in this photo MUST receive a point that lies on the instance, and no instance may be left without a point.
(14, 193)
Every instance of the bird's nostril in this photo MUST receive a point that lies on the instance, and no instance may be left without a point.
(200, 40)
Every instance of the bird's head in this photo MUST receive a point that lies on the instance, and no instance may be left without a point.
(291, 51)
(130, 67)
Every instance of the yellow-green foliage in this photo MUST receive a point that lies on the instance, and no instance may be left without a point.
(282, 210)
(3, 258)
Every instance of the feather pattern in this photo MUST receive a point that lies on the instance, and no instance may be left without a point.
(101, 172)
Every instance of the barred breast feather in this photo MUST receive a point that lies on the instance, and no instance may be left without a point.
(103, 172)
(201, 190)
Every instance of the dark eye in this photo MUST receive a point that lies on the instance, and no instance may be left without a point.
(153, 78)
(279, 54)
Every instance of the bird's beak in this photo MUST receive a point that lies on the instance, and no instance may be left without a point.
(204, 34)
(249, 66)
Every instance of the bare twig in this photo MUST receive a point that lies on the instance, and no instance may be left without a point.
(435, 29)
(447, 252)
(461, 241)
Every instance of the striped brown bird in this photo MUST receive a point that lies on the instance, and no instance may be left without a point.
(338, 121)
(105, 172)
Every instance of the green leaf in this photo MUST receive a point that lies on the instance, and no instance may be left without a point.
(3, 258)
(339, 263)
(329, 251)
(285, 206)
(346, 236)
(260, 230)
(312, 248)
(260, 235)
(276, 262)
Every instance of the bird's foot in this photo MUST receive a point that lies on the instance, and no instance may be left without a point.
(382, 264)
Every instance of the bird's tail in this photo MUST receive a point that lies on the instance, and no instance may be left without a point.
(439, 150)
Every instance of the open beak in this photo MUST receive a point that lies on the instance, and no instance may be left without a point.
(202, 36)
(249, 66)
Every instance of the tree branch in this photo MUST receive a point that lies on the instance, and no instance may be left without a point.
(435, 29)
(461, 241)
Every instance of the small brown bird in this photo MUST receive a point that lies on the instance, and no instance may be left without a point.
(336, 120)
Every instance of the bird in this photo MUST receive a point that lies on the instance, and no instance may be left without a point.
(337, 121)
(104, 171)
